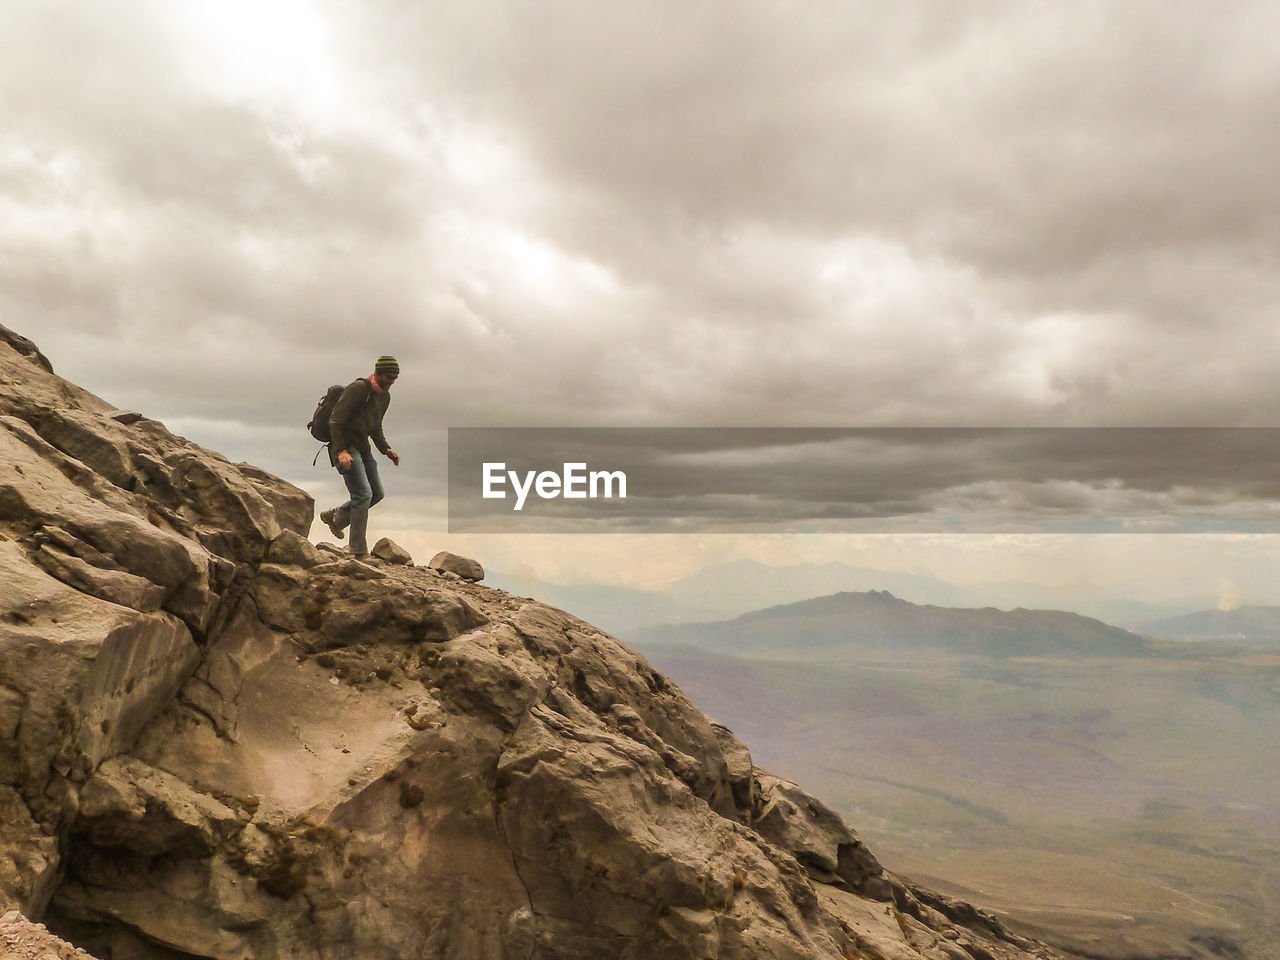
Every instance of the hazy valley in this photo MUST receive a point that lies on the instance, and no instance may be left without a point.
(1117, 795)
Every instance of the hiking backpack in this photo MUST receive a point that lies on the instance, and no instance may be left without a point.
(319, 425)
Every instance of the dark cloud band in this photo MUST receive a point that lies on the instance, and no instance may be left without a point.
(1084, 480)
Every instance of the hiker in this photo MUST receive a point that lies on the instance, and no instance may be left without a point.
(357, 419)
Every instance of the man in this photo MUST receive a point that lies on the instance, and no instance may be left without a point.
(357, 419)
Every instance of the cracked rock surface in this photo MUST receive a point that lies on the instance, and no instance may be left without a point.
(220, 741)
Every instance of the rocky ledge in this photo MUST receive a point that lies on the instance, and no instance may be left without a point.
(218, 740)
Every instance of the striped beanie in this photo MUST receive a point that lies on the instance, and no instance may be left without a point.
(387, 365)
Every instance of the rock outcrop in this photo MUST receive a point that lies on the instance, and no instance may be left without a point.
(218, 740)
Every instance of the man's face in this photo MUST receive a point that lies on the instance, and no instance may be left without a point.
(385, 380)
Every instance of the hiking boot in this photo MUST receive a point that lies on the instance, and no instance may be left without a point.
(330, 519)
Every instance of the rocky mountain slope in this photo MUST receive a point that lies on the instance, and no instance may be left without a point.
(218, 740)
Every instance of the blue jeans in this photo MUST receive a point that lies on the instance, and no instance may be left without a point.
(366, 490)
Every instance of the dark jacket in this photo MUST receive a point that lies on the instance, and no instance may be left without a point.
(357, 418)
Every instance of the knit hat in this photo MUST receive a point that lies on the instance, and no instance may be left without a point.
(387, 365)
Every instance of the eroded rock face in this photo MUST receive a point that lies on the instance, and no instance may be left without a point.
(220, 741)
(122, 548)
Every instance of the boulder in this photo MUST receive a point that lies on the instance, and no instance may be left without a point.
(463, 567)
(390, 551)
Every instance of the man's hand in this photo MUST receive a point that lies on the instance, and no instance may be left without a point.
(344, 461)
(393, 456)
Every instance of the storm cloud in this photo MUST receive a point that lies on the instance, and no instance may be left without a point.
(981, 213)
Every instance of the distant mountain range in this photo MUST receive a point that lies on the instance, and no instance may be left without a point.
(1258, 626)
(725, 590)
(877, 620)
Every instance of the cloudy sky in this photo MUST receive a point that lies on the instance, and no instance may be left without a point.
(633, 214)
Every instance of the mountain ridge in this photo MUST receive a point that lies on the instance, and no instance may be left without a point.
(729, 589)
(1252, 623)
(879, 619)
